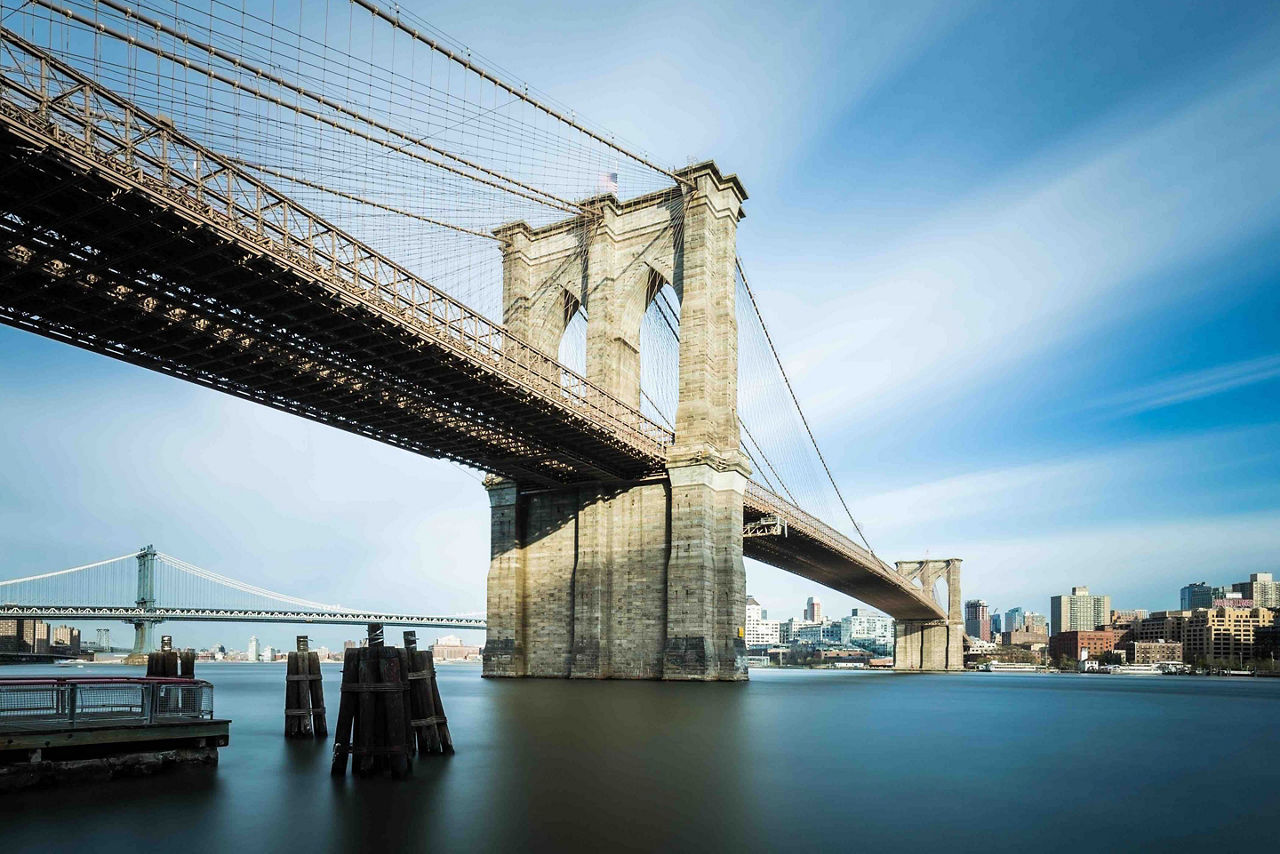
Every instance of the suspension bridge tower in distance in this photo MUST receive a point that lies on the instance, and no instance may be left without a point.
(143, 640)
(642, 579)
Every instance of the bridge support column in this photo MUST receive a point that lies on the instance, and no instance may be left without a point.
(639, 579)
(932, 644)
(143, 640)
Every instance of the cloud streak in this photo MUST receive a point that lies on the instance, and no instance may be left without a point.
(1193, 385)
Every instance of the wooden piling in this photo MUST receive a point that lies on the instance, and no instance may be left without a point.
(446, 740)
(365, 761)
(394, 718)
(319, 725)
(387, 705)
(164, 663)
(187, 664)
(297, 696)
(346, 713)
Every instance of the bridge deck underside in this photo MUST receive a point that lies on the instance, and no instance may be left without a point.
(88, 261)
(842, 570)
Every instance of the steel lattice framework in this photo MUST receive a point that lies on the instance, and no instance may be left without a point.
(155, 615)
(121, 235)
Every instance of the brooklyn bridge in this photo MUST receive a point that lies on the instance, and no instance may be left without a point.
(349, 218)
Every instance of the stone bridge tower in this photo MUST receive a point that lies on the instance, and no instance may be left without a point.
(630, 580)
(931, 644)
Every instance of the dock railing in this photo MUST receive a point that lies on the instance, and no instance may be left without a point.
(86, 702)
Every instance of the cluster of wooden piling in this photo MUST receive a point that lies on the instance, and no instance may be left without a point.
(171, 663)
(390, 708)
(304, 694)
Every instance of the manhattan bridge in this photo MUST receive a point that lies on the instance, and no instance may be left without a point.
(333, 209)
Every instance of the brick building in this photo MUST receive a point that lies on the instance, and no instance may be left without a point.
(1071, 644)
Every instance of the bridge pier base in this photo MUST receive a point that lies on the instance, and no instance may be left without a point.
(932, 644)
(617, 581)
(928, 645)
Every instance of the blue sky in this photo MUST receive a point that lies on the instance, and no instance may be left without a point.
(1020, 259)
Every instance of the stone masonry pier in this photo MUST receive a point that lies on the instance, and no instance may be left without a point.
(638, 579)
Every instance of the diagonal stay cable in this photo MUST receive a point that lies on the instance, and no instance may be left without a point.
(756, 307)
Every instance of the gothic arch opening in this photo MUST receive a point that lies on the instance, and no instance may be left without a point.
(660, 350)
(572, 352)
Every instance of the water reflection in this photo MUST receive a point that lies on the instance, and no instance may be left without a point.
(792, 759)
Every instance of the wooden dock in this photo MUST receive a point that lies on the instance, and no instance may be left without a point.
(55, 730)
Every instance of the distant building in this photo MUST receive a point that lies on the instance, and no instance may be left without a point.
(269, 653)
(1079, 612)
(67, 637)
(996, 625)
(977, 620)
(1198, 594)
(813, 611)
(451, 648)
(1035, 622)
(867, 630)
(1266, 641)
(1162, 625)
(1223, 635)
(1023, 636)
(797, 631)
(252, 653)
(1151, 652)
(1073, 643)
(760, 632)
(1014, 619)
(10, 635)
(1261, 588)
(35, 636)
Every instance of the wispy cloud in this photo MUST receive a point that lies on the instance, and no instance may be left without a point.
(1125, 482)
(1192, 385)
(1044, 255)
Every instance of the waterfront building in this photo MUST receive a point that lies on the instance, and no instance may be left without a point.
(977, 619)
(1150, 652)
(68, 637)
(1079, 612)
(1072, 644)
(1261, 588)
(1023, 636)
(760, 632)
(104, 640)
(269, 653)
(867, 630)
(252, 652)
(1014, 619)
(1223, 635)
(451, 648)
(1036, 622)
(10, 635)
(1266, 641)
(795, 631)
(35, 636)
(1198, 594)
(813, 611)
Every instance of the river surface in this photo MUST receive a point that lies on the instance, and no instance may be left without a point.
(795, 760)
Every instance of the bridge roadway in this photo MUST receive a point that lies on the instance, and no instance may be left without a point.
(133, 615)
(120, 235)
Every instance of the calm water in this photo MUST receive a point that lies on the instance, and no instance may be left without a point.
(794, 760)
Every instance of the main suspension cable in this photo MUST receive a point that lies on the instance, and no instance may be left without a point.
(394, 20)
